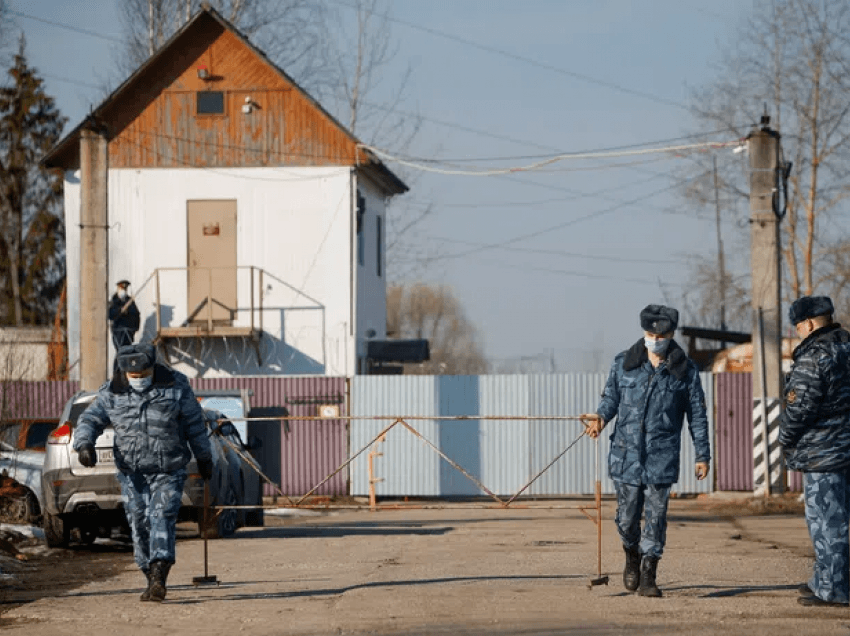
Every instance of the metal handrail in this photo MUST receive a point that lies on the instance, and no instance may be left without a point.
(256, 304)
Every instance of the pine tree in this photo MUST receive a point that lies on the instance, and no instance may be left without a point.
(32, 236)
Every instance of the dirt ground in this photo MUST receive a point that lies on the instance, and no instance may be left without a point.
(732, 565)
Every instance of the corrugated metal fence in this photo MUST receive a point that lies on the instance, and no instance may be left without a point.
(296, 454)
(503, 455)
(735, 434)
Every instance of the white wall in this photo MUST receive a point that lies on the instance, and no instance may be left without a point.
(24, 353)
(371, 288)
(294, 223)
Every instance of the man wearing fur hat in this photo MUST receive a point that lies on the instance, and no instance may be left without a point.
(652, 386)
(815, 434)
(157, 419)
(123, 315)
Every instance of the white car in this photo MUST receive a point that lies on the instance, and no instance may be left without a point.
(22, 444)
(82, 503)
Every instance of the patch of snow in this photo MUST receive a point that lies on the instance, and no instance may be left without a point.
(292, 512)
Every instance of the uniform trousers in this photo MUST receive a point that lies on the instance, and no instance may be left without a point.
(828, 518)
(152, 502)
(649, 501)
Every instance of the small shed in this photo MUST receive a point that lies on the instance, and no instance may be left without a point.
(249, 221)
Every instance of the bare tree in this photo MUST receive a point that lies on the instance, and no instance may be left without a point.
(368, 90)
(792, 58)
(290, 32)
(434, 312)
(346, 56)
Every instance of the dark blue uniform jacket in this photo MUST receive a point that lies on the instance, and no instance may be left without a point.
(153, 429)
(650, 405)
(815, 427)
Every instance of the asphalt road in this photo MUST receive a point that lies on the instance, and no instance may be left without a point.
(459, 569)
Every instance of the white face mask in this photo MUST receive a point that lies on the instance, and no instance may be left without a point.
(139, 385)
(656, 346)
(122, 294)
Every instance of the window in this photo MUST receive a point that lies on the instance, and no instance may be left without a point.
(361, 213)
(9, 433)
(37, 433)
(210, 103)
(380, 240)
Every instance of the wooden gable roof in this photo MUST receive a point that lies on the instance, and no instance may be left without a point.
(152, 119)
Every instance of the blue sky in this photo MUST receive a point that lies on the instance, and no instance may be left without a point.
(571, 252)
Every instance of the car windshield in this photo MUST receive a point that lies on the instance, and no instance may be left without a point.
(77, 409)
(231, 407)
(37, 434)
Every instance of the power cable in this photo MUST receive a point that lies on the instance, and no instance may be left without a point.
(558, 226)
(526, 60)
(67, 27)
(418, 164)
(531, 250)
(573, 273)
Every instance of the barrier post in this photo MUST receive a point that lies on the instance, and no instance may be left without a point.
(373, 501)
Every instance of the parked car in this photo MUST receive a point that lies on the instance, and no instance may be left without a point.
(21, 457)
(83, 503)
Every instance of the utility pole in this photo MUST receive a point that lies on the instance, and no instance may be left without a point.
(94, 163)
(721, 258)
(763, 146)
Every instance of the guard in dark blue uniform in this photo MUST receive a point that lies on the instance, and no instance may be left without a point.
(157, 419)
(815, 434)
(652, 386)
(123, 316)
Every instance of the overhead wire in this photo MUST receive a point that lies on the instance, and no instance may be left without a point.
(558, 226)
(67, 27)
(573, 273)
(608, 255)
(590, 154)
(418, 164)
(527, 60)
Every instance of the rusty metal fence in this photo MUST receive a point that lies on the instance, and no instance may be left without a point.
(403, 423)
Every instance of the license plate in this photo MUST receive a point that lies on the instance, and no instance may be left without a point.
(105, 455)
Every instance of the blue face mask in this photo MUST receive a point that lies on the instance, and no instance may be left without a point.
(656, 346)
(140, 385)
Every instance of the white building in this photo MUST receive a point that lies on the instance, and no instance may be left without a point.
(248, 220)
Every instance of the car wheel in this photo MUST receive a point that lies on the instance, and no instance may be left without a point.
(57, 533)
(228, 519)
(220, 523)
(87, 535)
(19, 510)
(256, 518)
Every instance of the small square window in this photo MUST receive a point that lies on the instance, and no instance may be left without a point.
(210, 103)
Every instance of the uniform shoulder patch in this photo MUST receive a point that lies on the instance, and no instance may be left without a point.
(791, 397)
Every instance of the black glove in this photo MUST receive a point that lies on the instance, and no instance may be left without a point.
(88, 457)
(205, 467)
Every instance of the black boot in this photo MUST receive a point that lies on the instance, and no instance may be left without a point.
(159, 575)
(631, 573)
(146, 595)
(648, 568)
